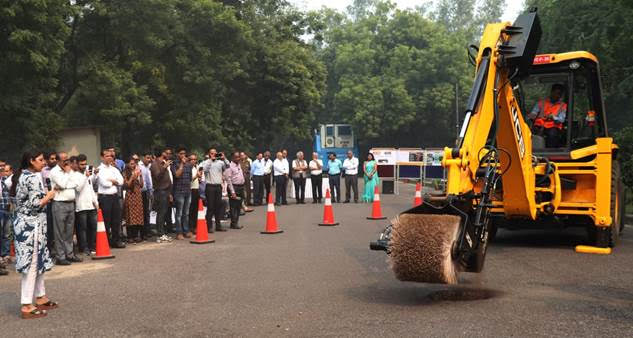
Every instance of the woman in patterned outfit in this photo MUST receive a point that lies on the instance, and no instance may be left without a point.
(32, 256)
(133, 206)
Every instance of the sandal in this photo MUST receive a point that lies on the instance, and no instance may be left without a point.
(47, 306)
(35, 313)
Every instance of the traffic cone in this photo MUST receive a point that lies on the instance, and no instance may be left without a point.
(376, 213)
(12, 250)
(103, 248)
(328, 212)
(202, 237)
(271, 218)
(418, 195)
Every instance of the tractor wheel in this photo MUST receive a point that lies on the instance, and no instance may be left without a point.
(609, 236)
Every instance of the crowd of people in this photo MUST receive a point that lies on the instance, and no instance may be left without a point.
(50, 204)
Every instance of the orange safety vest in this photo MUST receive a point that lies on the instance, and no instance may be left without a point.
(547, 108)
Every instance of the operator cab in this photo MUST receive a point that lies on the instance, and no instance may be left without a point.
(576, 75)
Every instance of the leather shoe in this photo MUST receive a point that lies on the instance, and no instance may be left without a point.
(62, 262)
(236, 227)
(118, 245)
(220, 229)
(75, 259)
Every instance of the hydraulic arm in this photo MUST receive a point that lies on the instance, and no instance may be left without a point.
(450, 233)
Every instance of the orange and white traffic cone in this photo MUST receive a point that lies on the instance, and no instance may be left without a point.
(12, 250)
(271, 218)
(202, 237)
(418, 195)
(103, 248)
(328, 212)
(376, 212)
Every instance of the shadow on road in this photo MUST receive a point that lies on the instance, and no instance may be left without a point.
(548, 238)
(411, 294)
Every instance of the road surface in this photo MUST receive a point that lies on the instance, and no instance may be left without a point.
(324, 281)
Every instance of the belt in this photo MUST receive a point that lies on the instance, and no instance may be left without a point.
(214, 185)
(64, 201)
(238, 185)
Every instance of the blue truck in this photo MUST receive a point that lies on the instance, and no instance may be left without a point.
(334, 138)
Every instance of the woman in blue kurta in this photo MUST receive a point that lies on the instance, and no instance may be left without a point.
(371, 178)
(32, 256)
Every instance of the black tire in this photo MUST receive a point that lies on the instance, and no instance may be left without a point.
(609, 236)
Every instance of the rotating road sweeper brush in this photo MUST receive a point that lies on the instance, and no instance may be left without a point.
(421, 248)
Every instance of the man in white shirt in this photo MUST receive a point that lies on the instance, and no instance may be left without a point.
(108, 180)
(350, 165)
(280, 173)
(316, 178)
(195, 192)
(86, 205)
(268, 174)
(63, 210)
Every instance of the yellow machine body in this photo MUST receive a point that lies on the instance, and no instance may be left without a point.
(589, 167)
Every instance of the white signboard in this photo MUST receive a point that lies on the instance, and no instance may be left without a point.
(385, 156)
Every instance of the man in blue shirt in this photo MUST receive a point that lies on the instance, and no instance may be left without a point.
(257, 173)
(334, 177)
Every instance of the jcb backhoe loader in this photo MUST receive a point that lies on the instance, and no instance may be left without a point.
(506, 172)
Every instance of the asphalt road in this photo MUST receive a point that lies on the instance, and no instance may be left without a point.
(324, 281)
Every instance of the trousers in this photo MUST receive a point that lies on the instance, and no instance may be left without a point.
(351, 183)
(87, 229)
(182, 203)
(161, 205)
(5, 231)
(147, 227)
(300, 188)
(317, 189)
(63, 223)
(215, 207)
(280, 189)
(111, 210)
(32, 281)
(267, 185)
(193, 209)
(236, 205)
(335, 187)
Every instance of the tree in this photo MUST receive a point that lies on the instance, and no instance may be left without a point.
(32, 35)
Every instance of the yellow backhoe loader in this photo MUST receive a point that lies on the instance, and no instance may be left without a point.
(533, 151)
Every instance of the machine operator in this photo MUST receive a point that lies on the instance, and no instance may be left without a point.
(549, 115)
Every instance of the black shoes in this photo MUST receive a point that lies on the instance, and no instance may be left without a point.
(118, 245)
(62, 262)
(237, 227)
(346, 201)
(75, 259)
(220, 229)
(3, 272)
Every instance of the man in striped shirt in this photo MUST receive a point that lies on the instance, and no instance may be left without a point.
(234, 177)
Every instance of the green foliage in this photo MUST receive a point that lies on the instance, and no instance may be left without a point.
(32, 35)
(393, 73)
(157, 72)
